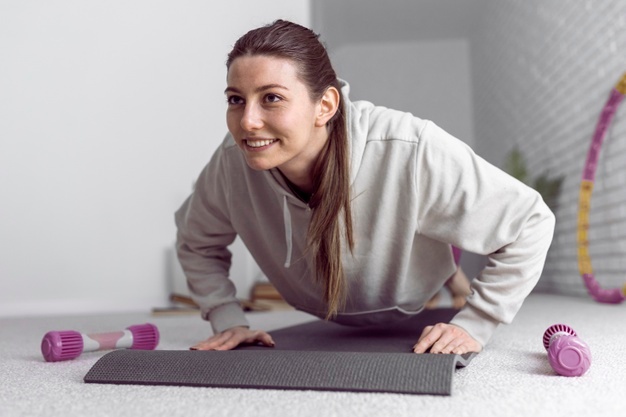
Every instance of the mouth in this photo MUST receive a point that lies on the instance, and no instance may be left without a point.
(259, 144)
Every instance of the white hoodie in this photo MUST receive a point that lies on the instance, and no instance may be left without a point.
(416, 190)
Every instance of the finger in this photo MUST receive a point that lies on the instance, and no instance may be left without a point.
(460, 350)
(426, 339)
(468, 346)
(231, 338)
(458, 340)
(447, 344)
(232, 342)
(216, 341)
(449, 337)
(263, 338)
(246, 336)
(211, 343)
(259, 337)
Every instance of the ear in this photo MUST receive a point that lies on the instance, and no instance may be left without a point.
(327, 106)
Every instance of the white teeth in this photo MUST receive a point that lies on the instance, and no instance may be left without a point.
(259, 143)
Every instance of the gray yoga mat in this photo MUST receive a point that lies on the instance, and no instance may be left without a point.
(314, 356)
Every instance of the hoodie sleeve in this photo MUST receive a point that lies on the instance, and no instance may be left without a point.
(204, 233)
(472, 204)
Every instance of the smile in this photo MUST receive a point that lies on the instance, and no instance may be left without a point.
(259, 143)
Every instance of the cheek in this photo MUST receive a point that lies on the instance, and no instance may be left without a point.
(233, 125)
(296, 123)
(232, 121)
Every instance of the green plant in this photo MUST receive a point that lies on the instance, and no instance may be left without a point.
(549, 188)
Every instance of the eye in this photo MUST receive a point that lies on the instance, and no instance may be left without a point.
(234, 100)
(273, 98)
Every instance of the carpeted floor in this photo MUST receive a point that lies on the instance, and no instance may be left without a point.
(511, 377)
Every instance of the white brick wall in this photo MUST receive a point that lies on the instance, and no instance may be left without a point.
(542, 71)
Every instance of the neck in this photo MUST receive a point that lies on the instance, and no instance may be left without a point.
(302, 185)
(302, 194)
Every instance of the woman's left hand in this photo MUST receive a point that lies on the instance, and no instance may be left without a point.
(446, 338)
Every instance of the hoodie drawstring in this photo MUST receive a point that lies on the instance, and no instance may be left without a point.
(288, 232)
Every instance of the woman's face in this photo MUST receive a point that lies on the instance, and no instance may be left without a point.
(271, 116)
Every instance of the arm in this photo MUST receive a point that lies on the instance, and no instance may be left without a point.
(473, 205)
(204, 233)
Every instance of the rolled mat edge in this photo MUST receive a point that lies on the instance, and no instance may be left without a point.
(405, 373)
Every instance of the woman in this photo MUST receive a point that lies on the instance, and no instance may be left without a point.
(350, 209)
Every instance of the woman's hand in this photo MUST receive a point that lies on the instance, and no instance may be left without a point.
(233, 337)
(446, 338)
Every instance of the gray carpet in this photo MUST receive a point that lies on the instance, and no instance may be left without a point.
(314, 356)
(511, 377)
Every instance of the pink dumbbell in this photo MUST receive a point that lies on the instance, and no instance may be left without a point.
(69, 344)
(568, 355)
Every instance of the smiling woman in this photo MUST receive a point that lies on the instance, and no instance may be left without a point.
(290, 98)
(273, 119)
(371, 200)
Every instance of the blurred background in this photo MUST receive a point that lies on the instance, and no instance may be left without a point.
(109, 110)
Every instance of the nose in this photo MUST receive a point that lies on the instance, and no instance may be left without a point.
(251, 119)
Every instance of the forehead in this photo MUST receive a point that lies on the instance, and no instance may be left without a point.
(255, 70)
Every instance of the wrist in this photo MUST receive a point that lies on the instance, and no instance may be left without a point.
(227, 316)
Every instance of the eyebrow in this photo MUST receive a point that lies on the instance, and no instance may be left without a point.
(258, 89)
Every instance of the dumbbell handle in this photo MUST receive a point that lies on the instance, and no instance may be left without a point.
(69, 344)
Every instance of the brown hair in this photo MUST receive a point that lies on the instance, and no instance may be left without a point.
(331, 194)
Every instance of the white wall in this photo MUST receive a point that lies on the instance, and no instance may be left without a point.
(542, 74)
(430, 79)
(108, 111)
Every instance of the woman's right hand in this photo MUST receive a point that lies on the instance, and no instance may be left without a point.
(233, 337)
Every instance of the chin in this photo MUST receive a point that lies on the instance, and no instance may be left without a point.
(259, 165)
